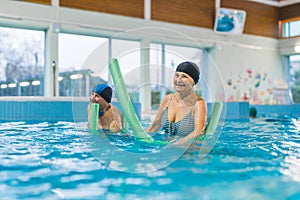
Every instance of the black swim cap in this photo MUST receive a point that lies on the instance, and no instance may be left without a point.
(104, 91)
(191, 69)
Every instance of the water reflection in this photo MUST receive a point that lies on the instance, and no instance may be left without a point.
(291, 167)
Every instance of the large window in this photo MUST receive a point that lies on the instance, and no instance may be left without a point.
(21, 62)
(294, 61)
(83, 62)
(81, 59)
(128, 53)
(290, 28)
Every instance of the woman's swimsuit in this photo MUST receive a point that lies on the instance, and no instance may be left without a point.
(183, 127)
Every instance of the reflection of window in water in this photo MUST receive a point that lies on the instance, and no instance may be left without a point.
(290, 167)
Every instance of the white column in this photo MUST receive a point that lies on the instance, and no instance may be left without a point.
(205, 75)
(163, 74)
(217, 4)
(55, 2)
(145, 92)
(210, 75)
(147, 9)
(109, 79)
(51, 87)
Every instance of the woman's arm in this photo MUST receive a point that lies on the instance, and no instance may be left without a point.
(156, 124)
(200, 117)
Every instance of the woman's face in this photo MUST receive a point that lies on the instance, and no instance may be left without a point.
(183, 82)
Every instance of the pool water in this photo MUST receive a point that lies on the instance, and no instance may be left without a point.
(259, 159)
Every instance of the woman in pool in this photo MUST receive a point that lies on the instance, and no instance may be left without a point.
(109, 116)
(183, 113)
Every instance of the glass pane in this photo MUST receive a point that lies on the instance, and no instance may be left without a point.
(128, 54)
(285, 29)
(79, 63)
(295, 28)
(177, 54)
(21, 62)
(156, 71)
(295, 77)
(156, 54)
(291, 29)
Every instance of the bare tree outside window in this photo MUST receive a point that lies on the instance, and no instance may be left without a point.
(21, 59)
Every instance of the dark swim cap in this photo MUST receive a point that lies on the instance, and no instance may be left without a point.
(104, 91)
(191, 69)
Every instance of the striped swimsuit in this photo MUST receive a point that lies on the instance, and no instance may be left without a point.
(181, 128)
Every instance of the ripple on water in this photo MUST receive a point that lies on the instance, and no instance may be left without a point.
(55, 160)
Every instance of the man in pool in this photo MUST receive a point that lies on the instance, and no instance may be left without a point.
(109, 116)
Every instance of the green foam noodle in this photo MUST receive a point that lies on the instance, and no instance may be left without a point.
(213, 120)
(126, 104)
(94, 112)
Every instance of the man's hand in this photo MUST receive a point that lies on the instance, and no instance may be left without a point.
(114, 127)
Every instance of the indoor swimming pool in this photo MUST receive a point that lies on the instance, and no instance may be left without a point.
(256, 159)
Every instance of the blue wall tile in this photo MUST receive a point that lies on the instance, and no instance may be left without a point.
(77, 110)
(49, 110)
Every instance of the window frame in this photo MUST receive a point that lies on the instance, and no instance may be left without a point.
(282, 23)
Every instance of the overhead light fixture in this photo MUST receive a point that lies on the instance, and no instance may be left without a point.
(24, 84)
(12, 85)
(297, 49)
(3, 86)
(76, 76)
(35, 82)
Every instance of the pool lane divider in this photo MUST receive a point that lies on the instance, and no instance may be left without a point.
(94, 114)
(126, 104)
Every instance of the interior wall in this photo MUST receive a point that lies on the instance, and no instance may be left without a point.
(131, 8)
(288, 12)
(233, 55)
(47, 2)
(249, 74)
(193, 12)
(262, 20)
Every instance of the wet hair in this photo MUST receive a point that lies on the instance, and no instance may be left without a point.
(191, 69)
(104, 91)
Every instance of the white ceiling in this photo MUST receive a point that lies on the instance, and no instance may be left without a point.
(277, 3)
